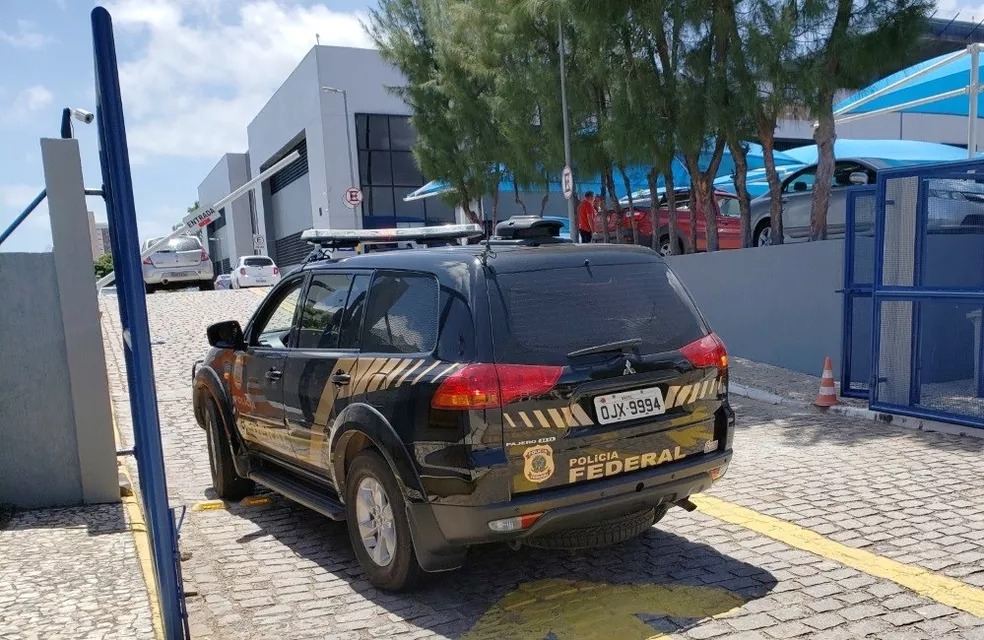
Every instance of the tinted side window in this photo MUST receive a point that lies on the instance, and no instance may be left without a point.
(354, 311)
(802, 181)
(321, 318)
(402, 314)
(275, 322)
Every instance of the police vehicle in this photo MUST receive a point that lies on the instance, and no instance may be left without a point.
(523, 389)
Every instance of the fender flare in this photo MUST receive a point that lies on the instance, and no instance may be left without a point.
(365, 420)
(207, 382)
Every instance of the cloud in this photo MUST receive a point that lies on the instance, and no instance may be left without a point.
(35, 98)
(25, 37)
(203, 70)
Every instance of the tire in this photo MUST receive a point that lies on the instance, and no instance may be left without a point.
(663, 248)
(392, 565)
(227, 483)
(206, 285)
(150, 288)
(601, 534)
(763, 234)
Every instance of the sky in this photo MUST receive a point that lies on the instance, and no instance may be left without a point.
(193, 74)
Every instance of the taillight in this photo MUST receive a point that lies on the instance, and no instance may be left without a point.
(242, 271)
(709, 351)
(485, 386)
(203, 257)
(276, 271)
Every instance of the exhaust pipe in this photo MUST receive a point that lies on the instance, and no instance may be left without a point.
(686, 505)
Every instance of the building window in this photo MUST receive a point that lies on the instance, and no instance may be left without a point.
(291, 172)
(388, 172)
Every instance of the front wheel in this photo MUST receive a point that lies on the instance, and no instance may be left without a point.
(206, 285)
(378, 525)
(227, 483)
(763, 235)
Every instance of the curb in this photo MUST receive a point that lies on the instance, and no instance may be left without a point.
(906, 422)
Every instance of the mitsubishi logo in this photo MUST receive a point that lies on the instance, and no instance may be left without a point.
(628, 370)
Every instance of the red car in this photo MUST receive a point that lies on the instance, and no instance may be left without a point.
(728, 223)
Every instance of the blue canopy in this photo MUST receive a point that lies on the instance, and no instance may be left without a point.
(638, 176)
(891, 151)
(910, 90)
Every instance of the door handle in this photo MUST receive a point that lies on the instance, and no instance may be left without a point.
(273, 375)
(340, 378)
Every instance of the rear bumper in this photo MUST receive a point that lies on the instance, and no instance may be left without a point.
(444, 526)
(161, 275)
(253, 281)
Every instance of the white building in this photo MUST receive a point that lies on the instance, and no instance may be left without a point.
(98, 237)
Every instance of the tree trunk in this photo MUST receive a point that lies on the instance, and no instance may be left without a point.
(519, 200)
(616, 211)
(495, 205)
(767, 136)
(654, 201)
(825, 135)
(628, 190)
(705, 194)
(604, 219)
(740, 155)
(694, 175)
(543, 203)
(671, 218)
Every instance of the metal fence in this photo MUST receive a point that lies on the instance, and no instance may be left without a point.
(927, 293)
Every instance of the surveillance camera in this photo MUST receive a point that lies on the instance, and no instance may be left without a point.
(83, 116)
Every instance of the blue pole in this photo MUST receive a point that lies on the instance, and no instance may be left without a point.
(23, 216)
(118, 192)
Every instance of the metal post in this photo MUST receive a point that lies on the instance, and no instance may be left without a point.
(121, 212)
(348, 152)
(571, 212)
(974, 89)
(23, 215)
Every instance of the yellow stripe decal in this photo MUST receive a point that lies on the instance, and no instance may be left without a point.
(693, 395)
(942, 589)
(394, 374)
(445, 372)
(524, 418)
(557, 418)
(542, 419)
(569, 420)
(581, 417)
(363, 377)
(381, 377)
(682, 395)
(416, 365)
(424, 373)
(671, 395)
(509, 420)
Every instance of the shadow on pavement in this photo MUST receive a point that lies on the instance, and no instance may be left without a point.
(811, 427)
(97, 519)
(657, 583)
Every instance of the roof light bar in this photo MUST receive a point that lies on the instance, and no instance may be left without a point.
(352, 237)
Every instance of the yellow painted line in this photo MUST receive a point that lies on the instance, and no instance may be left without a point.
(215, 505)
(141, 539)
(596, 611)
(208, 505)
(942, 589)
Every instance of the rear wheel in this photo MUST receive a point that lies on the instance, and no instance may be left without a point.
(663, 248)
(227, 483)
(150, 288)
(378, 524)
(206, 285)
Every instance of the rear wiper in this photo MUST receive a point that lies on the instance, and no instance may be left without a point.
(619, 345)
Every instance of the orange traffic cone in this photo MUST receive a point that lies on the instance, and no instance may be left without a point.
(828, 395)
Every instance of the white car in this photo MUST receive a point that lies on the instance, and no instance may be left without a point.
(255, 271)
(181, 263)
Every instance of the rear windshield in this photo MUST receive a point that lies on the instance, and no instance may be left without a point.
(257, 262)
(184, 244)
(544, 315)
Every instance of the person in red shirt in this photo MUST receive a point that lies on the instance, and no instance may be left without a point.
(586, 217)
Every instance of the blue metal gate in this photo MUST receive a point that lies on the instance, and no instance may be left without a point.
(859, 270)
(927, 355)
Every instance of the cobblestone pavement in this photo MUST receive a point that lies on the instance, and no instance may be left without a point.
(281, 571)
(71, 573)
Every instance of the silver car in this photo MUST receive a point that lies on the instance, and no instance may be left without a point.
(952, 203)
(181, 263)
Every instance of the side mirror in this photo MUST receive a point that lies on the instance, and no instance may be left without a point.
(226, 335)
(859, 177)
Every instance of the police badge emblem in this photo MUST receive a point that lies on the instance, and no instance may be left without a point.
(538, 463)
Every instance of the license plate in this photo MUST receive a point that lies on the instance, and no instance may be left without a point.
(629, 405)
(180, 274)
(261, 281)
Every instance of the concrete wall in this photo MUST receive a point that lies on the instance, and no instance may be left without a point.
(39, 454)
(772, 304)
(56, 433)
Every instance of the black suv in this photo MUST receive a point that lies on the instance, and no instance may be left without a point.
(556, 395)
